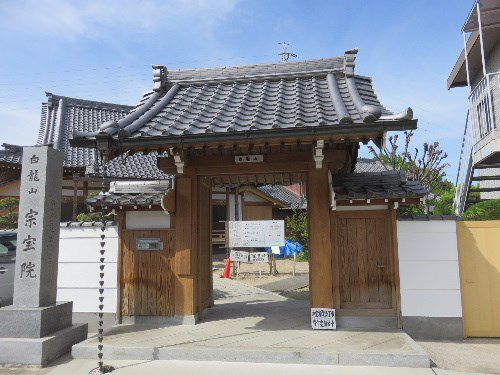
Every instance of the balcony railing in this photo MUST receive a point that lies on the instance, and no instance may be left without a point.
(483, 118)
(484, 106)
(465, 170)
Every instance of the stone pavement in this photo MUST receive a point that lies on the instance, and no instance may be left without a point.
(480, 355)
(66, 365)
(249, 324)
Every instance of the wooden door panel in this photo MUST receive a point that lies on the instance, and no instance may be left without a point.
(364, 248)
(147, 282)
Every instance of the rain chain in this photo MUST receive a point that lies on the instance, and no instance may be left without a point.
(102, 369)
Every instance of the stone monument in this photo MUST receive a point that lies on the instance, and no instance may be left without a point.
(36, 329)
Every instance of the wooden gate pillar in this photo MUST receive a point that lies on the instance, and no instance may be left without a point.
(320, 245)
(184, 264)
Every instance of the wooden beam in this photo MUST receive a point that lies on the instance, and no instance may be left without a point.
(377, 201)
(393, 230)
(185, 237)
(320, 245)
(75, 200)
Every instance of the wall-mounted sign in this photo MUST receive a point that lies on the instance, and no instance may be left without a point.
(260, 257)
(322, 318)
(261, 233)
(248, 159)
(149, 244)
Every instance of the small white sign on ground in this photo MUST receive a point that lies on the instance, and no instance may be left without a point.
(323, 318)
(239, 256)
(260, 257)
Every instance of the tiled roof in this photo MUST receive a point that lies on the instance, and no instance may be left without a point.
(132, 193)
(285, 195)
(370, 185)
(369, 165)
(11, 154)
(112, 199)
(266, 97)
(62, 115)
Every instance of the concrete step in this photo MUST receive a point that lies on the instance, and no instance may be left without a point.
(391, 357)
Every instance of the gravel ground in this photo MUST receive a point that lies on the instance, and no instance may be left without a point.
(249, 272)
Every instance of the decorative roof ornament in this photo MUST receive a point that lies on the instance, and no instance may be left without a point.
(349, 57)
(159, 77)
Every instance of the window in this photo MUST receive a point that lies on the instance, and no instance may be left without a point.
(7, 244)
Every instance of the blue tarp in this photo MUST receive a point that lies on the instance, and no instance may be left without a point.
(290, 248)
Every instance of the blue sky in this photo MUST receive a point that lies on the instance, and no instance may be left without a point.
(103, 50)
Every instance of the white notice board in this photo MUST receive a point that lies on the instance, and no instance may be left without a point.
(261, 233)
(322, 318)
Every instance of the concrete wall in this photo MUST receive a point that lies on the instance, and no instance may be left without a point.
(429, 278)
(78, 278)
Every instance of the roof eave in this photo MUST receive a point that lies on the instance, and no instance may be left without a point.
(459, 66)
(304, 131)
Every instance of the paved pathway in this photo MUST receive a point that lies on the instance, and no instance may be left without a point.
(253, 325)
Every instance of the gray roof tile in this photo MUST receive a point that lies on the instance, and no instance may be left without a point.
(288, 95)
(11, 154)
(370, 185)
(62, 115)
(370, 165)
(285, 195)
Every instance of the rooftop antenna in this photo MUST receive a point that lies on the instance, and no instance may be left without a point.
(285, 55)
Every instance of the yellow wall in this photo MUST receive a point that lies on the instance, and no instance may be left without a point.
(479, 253)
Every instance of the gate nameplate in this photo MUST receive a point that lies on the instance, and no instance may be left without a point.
(149, 244)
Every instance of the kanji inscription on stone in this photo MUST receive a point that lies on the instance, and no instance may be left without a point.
(35, 282)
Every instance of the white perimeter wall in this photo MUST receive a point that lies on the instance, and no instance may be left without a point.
(147, 220)
(428, 268)
(78, 277)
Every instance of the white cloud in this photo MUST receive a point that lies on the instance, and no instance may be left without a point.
(95, 18)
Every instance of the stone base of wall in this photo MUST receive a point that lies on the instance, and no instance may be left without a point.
(92, 318)
(431, 328)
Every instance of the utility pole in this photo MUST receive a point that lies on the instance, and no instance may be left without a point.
(285, 55)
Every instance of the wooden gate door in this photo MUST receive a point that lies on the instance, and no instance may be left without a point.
(363, 241)
(146, 275)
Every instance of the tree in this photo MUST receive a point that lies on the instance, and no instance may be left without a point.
(9, 213)
(444, 205)
(297, 229)
(89, 216)
(426, 165)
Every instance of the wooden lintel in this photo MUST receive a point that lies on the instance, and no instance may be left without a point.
(377, 201)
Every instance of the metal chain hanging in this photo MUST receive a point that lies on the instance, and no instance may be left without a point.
(102, 369)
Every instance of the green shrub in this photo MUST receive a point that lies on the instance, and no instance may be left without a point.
(9, 213)
(88, 217)
(485, 210)
(297, 229)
